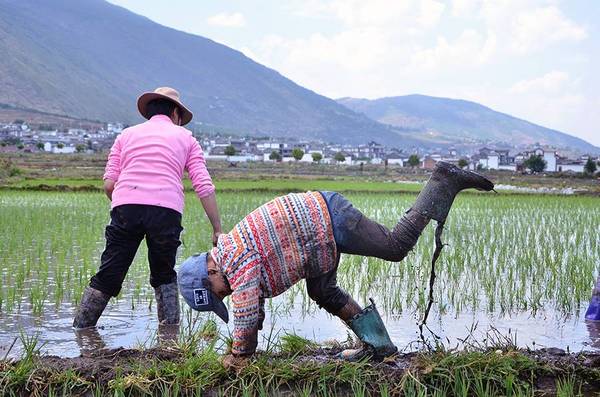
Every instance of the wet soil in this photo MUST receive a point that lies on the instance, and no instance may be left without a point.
(102, 366)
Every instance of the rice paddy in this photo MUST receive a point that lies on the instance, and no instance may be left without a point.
(528, 258)
(516, 270)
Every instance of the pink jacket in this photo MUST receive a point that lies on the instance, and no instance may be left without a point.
(147, 163)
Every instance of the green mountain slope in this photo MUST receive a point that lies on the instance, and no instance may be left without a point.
(457, 121)
(90, 59)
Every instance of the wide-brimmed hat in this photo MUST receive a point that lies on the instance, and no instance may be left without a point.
(167, 93)
(192, 277)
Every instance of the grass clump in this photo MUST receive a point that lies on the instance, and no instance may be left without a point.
(293, 344)
(200, 372)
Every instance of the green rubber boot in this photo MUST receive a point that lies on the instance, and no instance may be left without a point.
(369, 328)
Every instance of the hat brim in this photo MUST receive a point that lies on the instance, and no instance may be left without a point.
(191, 276)
(219, 308)
(142, 103)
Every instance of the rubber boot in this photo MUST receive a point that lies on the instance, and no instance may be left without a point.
(446, 181)
(593, 311)
(167, 303)
(90, 309)
(369, 328)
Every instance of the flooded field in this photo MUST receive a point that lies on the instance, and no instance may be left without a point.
(518, 267)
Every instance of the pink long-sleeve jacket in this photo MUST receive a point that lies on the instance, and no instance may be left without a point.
(147, 162)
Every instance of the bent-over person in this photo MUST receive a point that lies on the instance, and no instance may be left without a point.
(301, 236)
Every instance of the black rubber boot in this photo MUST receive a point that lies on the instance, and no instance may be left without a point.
(369, 328)
(90, 309)
(167, 303)
(447, 180)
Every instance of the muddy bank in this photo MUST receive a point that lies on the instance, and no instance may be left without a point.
(181, 371)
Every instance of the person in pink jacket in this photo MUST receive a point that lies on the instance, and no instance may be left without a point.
(143, 180)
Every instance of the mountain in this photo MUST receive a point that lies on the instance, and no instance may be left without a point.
(90, 59)
(453, 121)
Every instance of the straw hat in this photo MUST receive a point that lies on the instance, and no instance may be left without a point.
(164, 93)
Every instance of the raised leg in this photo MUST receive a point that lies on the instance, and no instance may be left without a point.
(356, 234)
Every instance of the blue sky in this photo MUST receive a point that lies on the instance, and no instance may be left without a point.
(534, 59)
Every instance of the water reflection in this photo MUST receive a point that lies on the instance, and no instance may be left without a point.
(89, 341)
(124, 326)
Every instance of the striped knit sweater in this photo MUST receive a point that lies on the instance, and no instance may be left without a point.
(271, 249)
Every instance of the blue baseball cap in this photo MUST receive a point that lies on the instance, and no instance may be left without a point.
(192, 278)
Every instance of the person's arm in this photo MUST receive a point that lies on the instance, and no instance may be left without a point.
(203, 185)
(246, 308)
(113, 168)
(109, 186)
(209, 203)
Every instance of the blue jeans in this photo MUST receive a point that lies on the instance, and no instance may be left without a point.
(356, 234)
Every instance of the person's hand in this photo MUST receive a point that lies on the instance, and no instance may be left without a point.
(234, 363)
(215, 238)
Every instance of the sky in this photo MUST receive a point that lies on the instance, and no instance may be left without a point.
(534, 59)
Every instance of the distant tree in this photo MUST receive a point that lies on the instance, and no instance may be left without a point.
(462, 163)
(80, 148)
(19, 121)
(39, 145)
(230, 151)
(60, 145)
(275, 156)
(317, 157)
(590, 166)
(90, 144)
(339, 157)
(20, 146)
(297, 153)
(12, 140)
(535, 163)
(3, 144)
(414, 160)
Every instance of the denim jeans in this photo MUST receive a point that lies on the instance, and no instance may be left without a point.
(129, 224)
(356, 234)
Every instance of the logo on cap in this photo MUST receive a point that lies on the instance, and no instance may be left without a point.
(201, 297)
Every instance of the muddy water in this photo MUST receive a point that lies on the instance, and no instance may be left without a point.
(122, 326)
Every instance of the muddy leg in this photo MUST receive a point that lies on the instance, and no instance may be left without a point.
(356, 234)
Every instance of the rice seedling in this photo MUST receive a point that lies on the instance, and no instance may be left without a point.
(505, 254)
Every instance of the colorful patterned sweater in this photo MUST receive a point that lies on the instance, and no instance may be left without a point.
(271, 249)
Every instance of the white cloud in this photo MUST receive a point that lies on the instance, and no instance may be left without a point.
(228, 20)
(550, 83)
(376, 13)
(472, 49)
(462, 8)
(541, 27)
